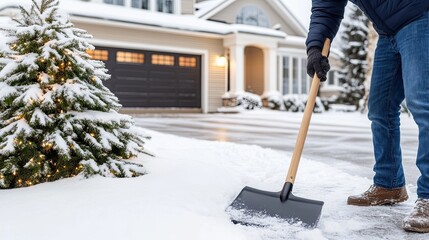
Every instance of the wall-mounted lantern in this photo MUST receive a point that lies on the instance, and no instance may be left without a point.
(221, 61)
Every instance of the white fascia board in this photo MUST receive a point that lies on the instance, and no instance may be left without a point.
(250, 39)
(217, 9)
(143, 46)
(292, 51)
(294, 41)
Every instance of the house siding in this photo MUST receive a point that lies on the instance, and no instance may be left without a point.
(229, 14)
(214, 47)
(188, 6)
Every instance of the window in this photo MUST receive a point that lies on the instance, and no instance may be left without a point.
(166, 6)
(295, 76)
(142, 4)
(331, 80)
(286, 86)
(188, 62)
(129, 57)
(295, 80)
(114, 2)
(252, 15)
(304, 87)
(333, 77)
(158, 59)
(102, 55)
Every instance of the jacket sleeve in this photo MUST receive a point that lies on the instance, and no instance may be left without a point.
(326, 16)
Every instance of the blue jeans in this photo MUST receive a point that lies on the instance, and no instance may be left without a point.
(401, 71)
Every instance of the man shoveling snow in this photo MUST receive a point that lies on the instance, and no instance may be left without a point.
(400, 72)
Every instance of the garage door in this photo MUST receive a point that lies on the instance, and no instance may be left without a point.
(151, 78)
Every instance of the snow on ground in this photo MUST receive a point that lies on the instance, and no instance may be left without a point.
(184, 195)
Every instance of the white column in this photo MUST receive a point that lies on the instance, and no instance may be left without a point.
(178, 7)
(270, 70)
(152, 5)
(237, 68)
(280, 73)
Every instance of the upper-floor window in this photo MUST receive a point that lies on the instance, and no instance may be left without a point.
(142, 4)
(252, 15)
(115, 2)
(166, 6)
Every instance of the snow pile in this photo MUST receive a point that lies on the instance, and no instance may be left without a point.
(184, 196)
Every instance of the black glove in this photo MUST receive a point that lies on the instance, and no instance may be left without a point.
(316, 63)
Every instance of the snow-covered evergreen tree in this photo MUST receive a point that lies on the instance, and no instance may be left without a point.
(56, 117)
(372, 42)
(355, 57)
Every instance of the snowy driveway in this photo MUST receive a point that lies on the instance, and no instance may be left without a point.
(191, 182)
(340, 139)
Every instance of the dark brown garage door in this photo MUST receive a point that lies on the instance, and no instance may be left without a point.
(152, 79)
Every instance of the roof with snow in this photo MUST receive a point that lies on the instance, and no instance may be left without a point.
(147, 18)
(209, 8)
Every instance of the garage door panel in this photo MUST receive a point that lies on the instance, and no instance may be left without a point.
(143, 84)
(132, 71)
(126, 88)
(163, 75)
(162, 89)
(163, 82)
(185, 89)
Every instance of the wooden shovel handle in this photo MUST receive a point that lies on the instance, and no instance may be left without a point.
(302, 134)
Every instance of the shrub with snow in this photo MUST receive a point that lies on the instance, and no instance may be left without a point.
(275, 101)
(56, 117)
(297, 103)
(249, 101)
(245, 100)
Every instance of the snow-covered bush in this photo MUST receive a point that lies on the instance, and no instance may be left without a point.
(244, 100)
(297, 103)
(274, 100)
(56, 117)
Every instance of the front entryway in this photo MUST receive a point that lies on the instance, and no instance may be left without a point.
(254, 70)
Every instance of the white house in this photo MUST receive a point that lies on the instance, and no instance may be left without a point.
(184, 55)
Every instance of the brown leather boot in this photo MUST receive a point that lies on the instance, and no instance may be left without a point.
(376, 196)
(418, 220)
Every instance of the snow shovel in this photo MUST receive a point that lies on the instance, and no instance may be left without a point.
(254, 204)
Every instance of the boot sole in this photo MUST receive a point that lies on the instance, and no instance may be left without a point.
(378, 203)
(418, 230)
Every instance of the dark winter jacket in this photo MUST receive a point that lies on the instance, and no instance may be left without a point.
(388, 16)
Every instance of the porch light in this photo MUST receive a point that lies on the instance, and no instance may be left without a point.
(221, 61)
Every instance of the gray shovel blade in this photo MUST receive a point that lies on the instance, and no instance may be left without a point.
(259, 203)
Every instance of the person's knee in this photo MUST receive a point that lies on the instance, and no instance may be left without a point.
(419, 108)
(386, 117)
(376, 112)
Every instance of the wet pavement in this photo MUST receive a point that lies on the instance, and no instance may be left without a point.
(343, 139)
